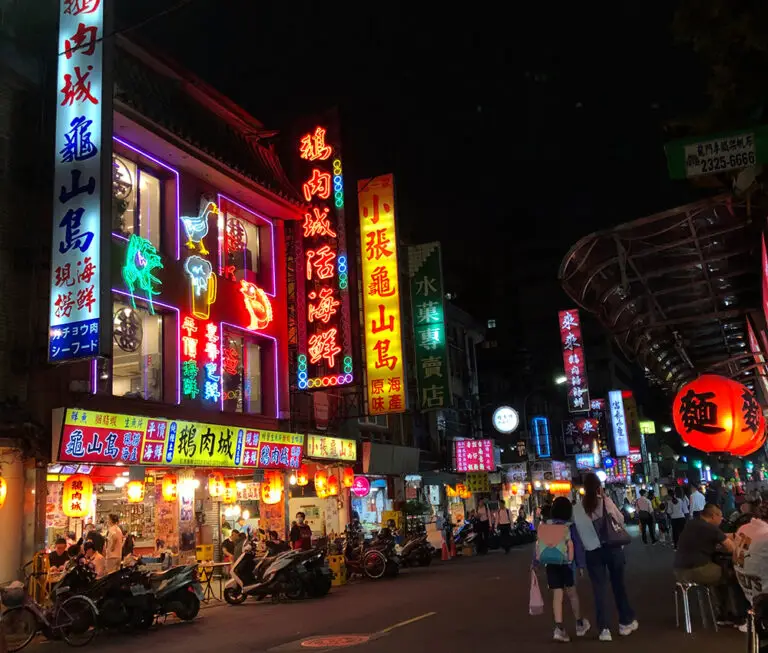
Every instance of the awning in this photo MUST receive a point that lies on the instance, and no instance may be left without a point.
(674, 288)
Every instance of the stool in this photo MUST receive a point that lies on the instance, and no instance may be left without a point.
(681, 591)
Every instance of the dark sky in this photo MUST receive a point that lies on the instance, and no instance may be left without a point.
(512, 132)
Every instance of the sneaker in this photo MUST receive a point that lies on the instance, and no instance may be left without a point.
(629, 628)
(605, 635)
(560, 635)
(582, 627)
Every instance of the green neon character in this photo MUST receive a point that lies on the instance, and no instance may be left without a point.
(141, 259)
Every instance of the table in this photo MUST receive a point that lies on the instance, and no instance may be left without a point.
(206, 571)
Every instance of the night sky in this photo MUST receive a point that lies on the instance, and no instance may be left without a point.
(512, 133)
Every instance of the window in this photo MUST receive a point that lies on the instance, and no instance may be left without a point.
(136, 201)
(242, 374)
(241, 249)
(137, 353)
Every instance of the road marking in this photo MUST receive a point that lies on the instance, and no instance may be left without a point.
(407, 622)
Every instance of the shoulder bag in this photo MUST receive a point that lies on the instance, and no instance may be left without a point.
(612, 534)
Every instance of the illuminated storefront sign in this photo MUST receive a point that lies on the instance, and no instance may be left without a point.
(94, 437)
(647, 427)
(580, 435)
(324, 446)
(474, 456)
(322, 269)
(432, 365)
(381, 296)
(540, 436)
(632, 418)
(83, 115)
(618, 423)
(574, 364)
(585, 461)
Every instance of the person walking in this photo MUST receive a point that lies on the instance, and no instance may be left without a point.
(678, 513)
(604, 563)
(114, 544)
(504, 524)
(483, 526)
(697, 502)
(645, 515)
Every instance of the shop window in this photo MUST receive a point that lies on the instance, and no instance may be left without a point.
(136, 201)
(241, 248)
(137, 353)
(242, 374)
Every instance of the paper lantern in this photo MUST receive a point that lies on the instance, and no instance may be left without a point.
(717, 414)
(333, 485)
(216, 485)
(272, 488)
(230, 491)
(76, 496)
(348, 477)
(170, 487)
(302, 476)
(3, 491)
(135, 491)
(321, 479)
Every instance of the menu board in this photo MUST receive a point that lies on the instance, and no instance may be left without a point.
(474, 456)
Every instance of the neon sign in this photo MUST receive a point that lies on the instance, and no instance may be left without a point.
(196, 227)
(257, 304)
(324, 356)
(141, 259)
(212, 378)
(189, 368)
(203, 283)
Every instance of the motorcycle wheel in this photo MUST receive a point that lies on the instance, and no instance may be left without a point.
(294, 590)
(188, 605)
(374, 564)
(320, 586)
(234, 596)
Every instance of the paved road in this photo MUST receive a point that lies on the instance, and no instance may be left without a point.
(452, 606)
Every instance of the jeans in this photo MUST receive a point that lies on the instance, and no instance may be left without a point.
(483, 529)
(646, 526)
(505, 536)
(678, 525)
(604, 565)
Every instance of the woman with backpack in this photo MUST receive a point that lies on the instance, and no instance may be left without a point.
(597, 521)
(556, 549)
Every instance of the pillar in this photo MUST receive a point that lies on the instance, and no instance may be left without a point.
(11, 515)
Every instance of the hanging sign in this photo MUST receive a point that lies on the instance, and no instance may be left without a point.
(324, 446)
(474, 456)
(361, 487)
(618, 422)
(478, 482)
(574, 363)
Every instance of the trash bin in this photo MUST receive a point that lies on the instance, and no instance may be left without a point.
(204, 552)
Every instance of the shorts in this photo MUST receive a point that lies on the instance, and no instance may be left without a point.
(559, 576)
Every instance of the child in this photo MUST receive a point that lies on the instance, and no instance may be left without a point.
(556, 551)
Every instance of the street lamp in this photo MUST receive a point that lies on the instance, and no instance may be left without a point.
(559, 380)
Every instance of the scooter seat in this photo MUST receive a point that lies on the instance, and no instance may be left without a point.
(159, 576)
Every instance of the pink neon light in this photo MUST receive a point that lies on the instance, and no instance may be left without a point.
(272, 232)
(274, 356)
(170, 169)
(178, 337)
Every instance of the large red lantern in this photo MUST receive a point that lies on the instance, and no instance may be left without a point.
(333, 485)
(348, 477)
(76, 496)
(717, 414)
(302, 476)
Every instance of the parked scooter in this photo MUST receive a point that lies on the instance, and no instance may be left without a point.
(177, 591)
(359, 559)
(278, 576)
(385, 542)
(417, 552)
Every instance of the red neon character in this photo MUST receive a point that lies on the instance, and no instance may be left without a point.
(80, 90)
(318, 224)
(318, 184)
(376, 245)
(375, 217)
(380, 285)
(231, 362)
(323, 346)
(384, 359)
(189, 347)
(389, 325)
(89, 269)
(237, 238)
(77, 7)
(396, 402)
(189, 325)
(64, 276)
(64, 305)
(84, 40)
(257, 304)
(85, 298)
(313, 147)
(325, 308)
(323, 260)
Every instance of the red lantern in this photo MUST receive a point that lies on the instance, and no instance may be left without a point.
(302, 476)
(272, 487)
(333, 485)
(76, 496)
(348, 477)
(216, 485)
(716, 414)
(321, 480)
(3, 491)
(170, 487)
(230, 491)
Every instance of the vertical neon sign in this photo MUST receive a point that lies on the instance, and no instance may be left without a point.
(325, 351)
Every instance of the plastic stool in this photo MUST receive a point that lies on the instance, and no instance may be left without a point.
(681, 591)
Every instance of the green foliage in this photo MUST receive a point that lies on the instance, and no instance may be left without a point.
(414, 507)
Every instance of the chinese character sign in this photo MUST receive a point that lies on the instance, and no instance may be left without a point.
(323, 446)
(474, 456)
(574, 363)
(80, 148)
(618, 420)
(94, 437)
(580, 435)
(381, 296)
(322, 270)
(432, 373)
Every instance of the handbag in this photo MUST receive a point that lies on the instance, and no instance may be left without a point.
(612, 534)
(535, 602)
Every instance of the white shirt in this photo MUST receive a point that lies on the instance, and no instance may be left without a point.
(585, 526)
(750, 557)
(503, 516)
(483, 514)
(677, 510)
(114, 542)
(644, 504)
(697, 501)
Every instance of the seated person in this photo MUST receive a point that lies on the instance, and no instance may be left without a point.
(58, 558)
(751, 555)
(740, 518)
(95, 558)
(696, 548)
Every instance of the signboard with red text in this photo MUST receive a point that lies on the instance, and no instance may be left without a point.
(574, 364)
(580, 435)
(474, 456)
(385, 366)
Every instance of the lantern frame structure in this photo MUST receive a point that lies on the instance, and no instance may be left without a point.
(348, 477)
(74, 485)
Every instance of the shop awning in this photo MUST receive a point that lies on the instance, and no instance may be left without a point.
(675, 288)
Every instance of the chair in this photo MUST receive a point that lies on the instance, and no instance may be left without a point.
(681, 592)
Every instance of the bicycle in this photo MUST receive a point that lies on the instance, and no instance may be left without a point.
(71, 618)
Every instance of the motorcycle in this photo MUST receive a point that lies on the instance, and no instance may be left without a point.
(278, 576)
(465, 536)
(359, 559)
(385, 542)
(177, 591)
(316, 577)
(417, 552)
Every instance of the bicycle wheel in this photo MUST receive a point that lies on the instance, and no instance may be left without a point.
(75, 620)
(19, 625)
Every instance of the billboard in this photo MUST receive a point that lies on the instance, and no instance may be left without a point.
(618, 421)
(580, 435)
(98, 438)
(474, 456)
(385, 367)
(574, 364)
(82, 187)
(433, 377)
